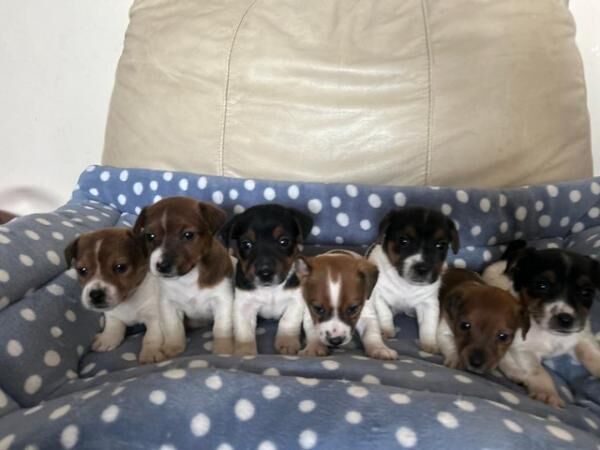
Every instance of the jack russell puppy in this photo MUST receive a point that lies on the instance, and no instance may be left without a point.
(268, 238)
(478, 322)
(558, 288)
(336, 287)
(411, 255)
(193, 268)
(112, 267)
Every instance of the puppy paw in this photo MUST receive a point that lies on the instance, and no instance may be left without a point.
(314, 350)
(551, 398)
(150, 355)
(105, 342)
(429, 347)
(382, 353)
(452, 362)
(245, 348)
(287, 345)
(388, 333)
(223, 346)
(173, 349)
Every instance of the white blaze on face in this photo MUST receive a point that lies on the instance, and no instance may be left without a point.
(97, 282)
(554, 309)
(409, 263)
(334, 327)
(156, 257)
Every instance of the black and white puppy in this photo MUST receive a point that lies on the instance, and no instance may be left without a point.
(411, 255)
(558, 287)
(268, 238)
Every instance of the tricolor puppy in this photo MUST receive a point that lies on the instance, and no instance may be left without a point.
(478, 322)
(268, 238)
(336, 287)
(112, 265)
(410, 255)
(558, 288)
(193, 268)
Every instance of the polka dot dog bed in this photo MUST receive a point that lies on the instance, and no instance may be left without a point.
(54, 393)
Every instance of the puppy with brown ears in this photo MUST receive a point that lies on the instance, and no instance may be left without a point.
(193, 268)
(559, 288)
(336, 287)
(112, 266)
(478, 322)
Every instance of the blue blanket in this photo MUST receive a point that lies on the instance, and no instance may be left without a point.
(55, 393)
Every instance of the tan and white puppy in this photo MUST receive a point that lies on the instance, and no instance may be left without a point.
(411, 256)
(193, 268)
(478, 322)
(267, 240)
(559, 288)
(112, 265)
(336, 287)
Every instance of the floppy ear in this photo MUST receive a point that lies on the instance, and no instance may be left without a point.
(139, 224)
(211, 215)
(525, 320)
(595, 273)
(453, 303)
(370, 273)
(513, 251)
(303, 221)
(228, 231)
(139, 242)
(520, 261)
(384, 225)
(71, 252)
(454, 238)
(303, 267)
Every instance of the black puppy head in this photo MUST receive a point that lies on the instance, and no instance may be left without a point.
(558, 286)
(416, 242)
(267, 240)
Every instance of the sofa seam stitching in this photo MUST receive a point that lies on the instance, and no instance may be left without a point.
(226, 90)
(429, 92)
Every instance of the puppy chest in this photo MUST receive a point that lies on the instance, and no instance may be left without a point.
(269, 303)
(549, 345)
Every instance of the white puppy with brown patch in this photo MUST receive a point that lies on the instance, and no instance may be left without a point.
(336, 287)
(112, 265)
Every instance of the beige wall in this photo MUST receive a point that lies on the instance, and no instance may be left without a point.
(58, 59)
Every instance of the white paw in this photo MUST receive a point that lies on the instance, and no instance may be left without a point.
(105, 342)
(314, 350)
(287, 345)
(429, 347)
(245, 348)
(150, 355)
(223, 346)
(382, 352)
(551, 398)
(388, 333)
(173, 349)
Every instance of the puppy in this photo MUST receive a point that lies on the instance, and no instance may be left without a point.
(478, 322)
(112, 266)
(558, 288)
(193, 268)
(410, 255)
(267, 240)
(336, 287)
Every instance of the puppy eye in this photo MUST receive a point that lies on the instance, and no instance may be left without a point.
(586, 292)
(246, 245)
(119, 268)
(465, 326)
(542, 285)
(351, 310)
(503, 337)
(403, 241)
(284, 242)
(441, 245)
(150, 237)
(318, 309)
(188, 235)
(82, 271)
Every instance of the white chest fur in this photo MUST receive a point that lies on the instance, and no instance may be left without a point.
(545, 344)
(142, 306)
(269, 302)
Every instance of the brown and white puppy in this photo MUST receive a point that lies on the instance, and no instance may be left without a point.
(559, 288)
(478, 322)
(112, 265)
(268, 238)
(193, 268)
(411, 255)
(336, 287)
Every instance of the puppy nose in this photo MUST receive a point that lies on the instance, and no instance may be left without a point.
(265, 273)
(164, 266)
(97, 296)
(335, 341)
(422, 269)
(565, 320)
(477, 359)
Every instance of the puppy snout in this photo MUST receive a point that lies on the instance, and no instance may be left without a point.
(565, 320)
(477, 359)
(98, 298)
(335, 341)
(164, 266)
(422, 269)
(265, 273)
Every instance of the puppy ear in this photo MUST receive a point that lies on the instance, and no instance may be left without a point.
(228, 231)
(524, 315)
(370, 273)
(303, 221)
(453, 303)
(140, 222)
(303, 267)
(212, 216)
(139, 242)
(595, 273)
(454, 237)
(522, 260)
(71, 252)
(383, 226)
(513, 251)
